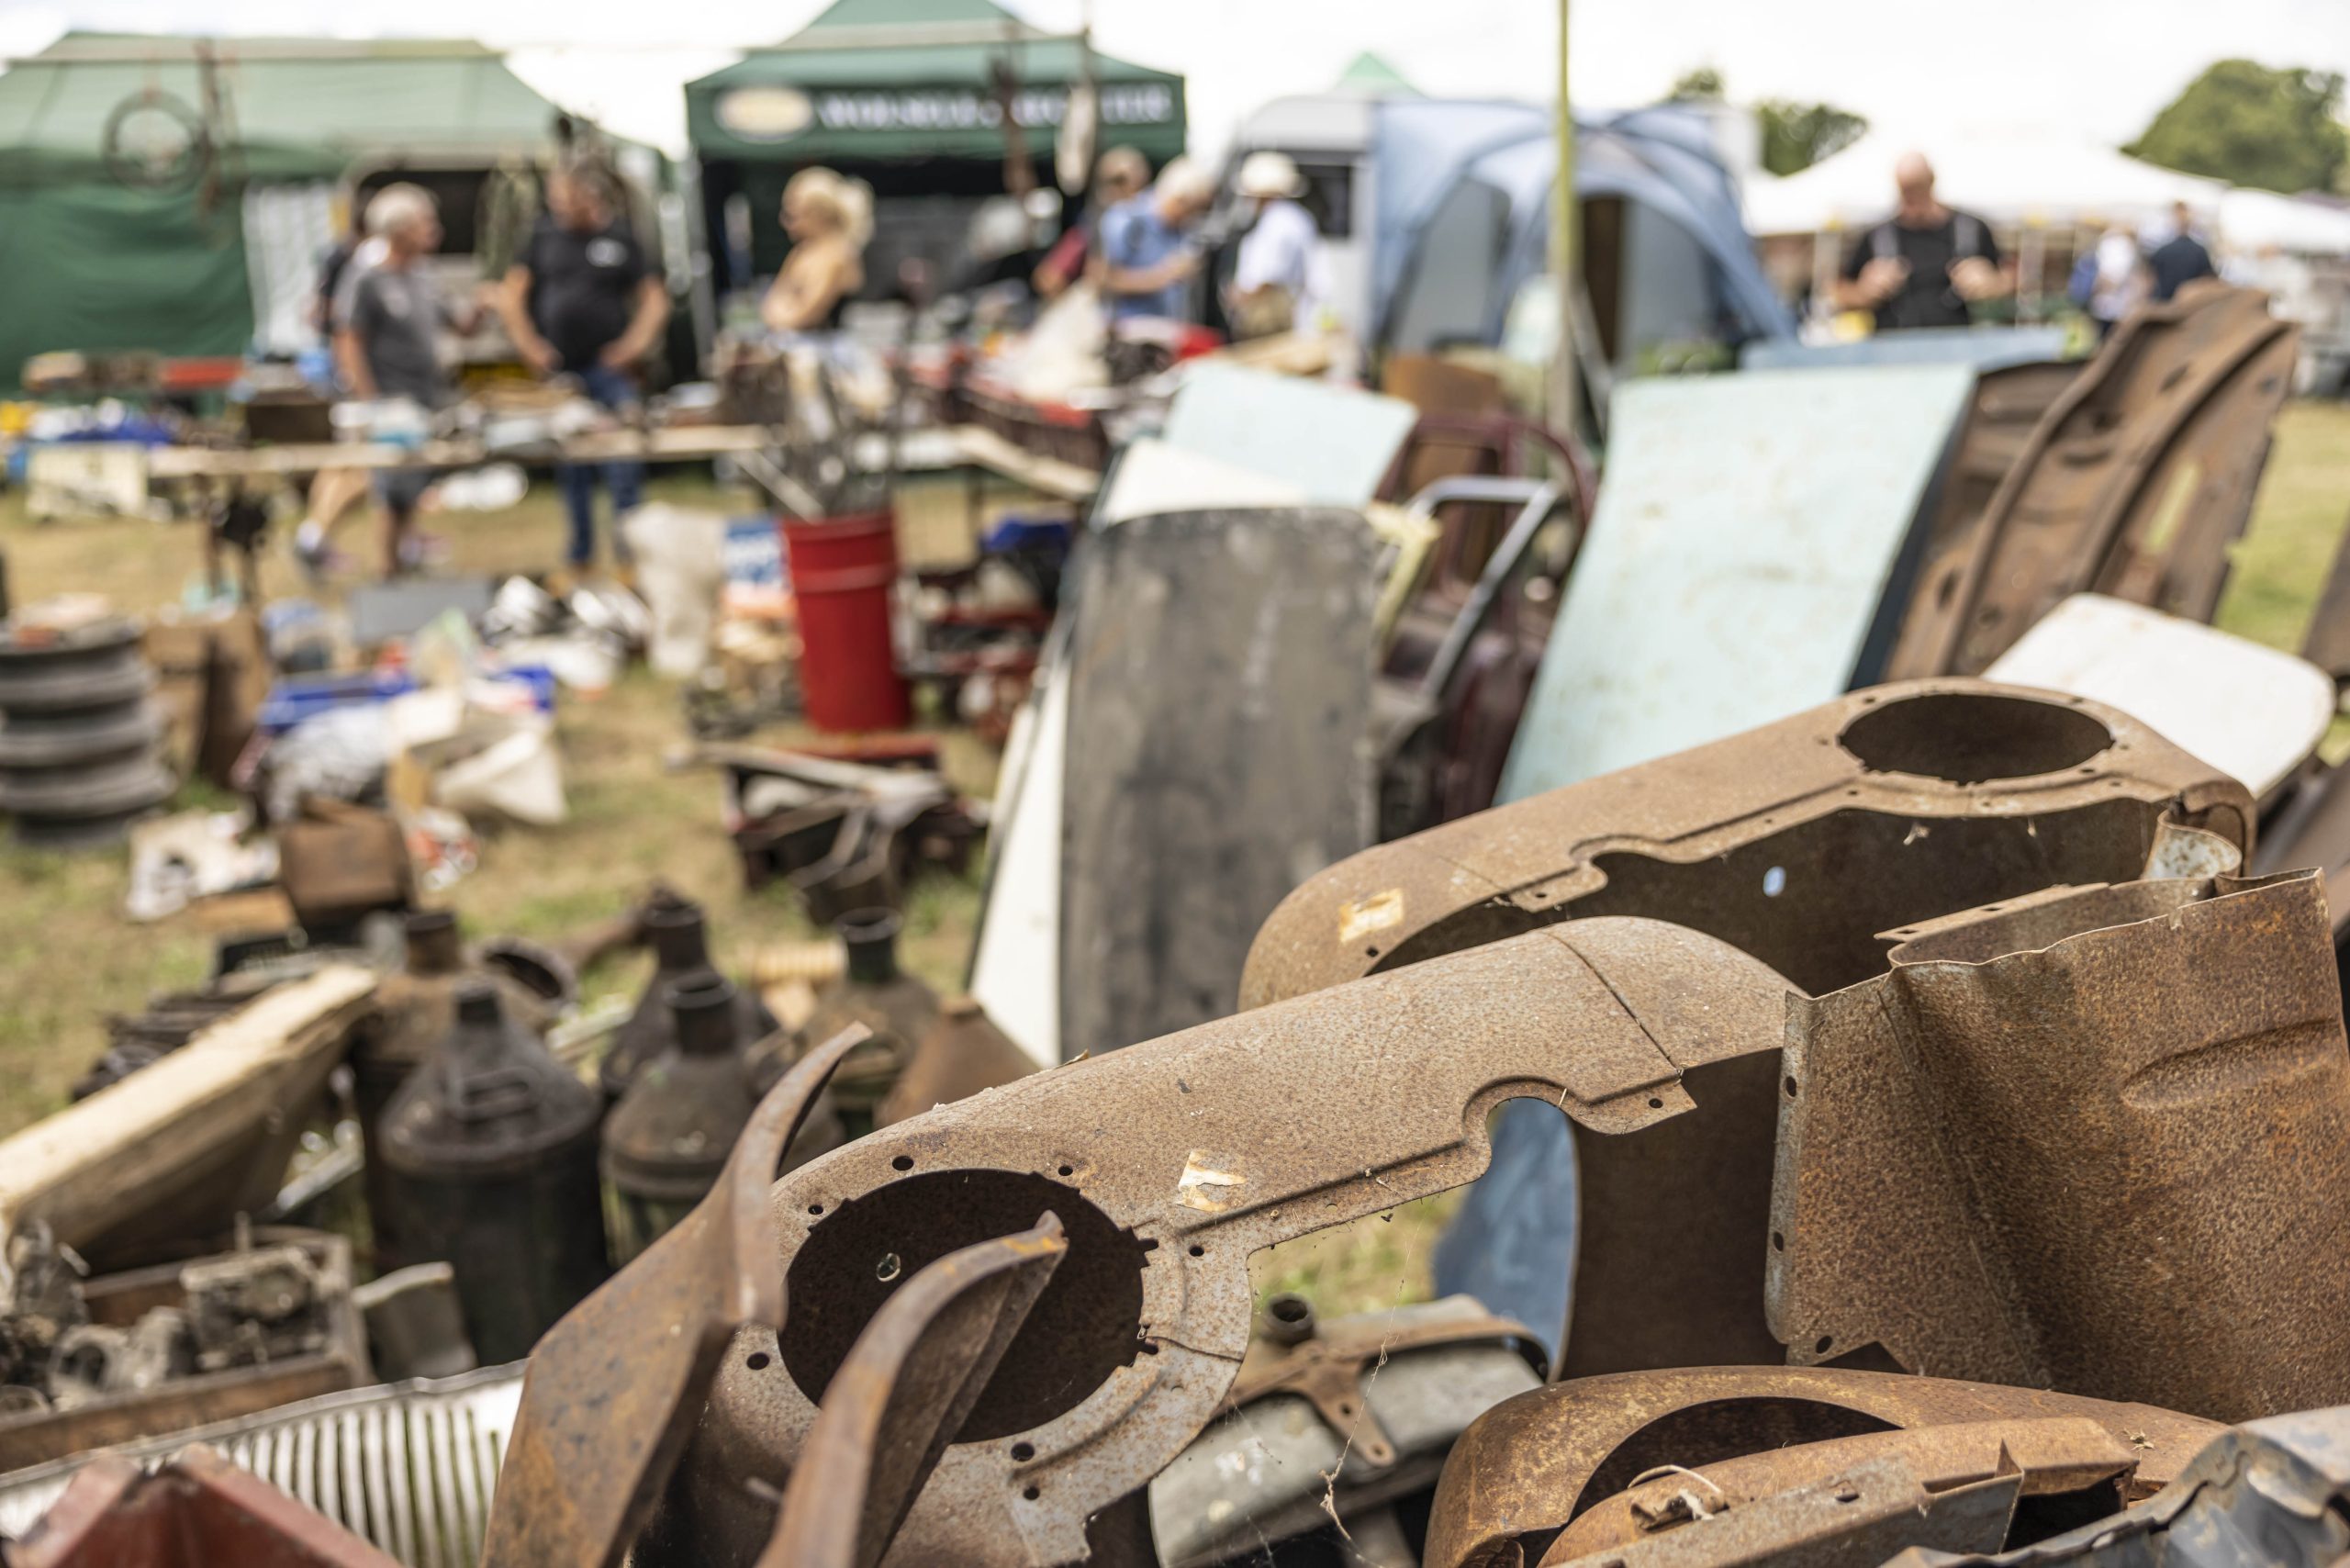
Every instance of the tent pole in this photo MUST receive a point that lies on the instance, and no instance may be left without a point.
(1563, 236)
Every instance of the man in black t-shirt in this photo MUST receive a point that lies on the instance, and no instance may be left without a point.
(581, 301)
(1925, 267)
(2181, 258)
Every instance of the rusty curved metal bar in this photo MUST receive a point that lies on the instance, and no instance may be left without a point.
(615, 1386)
(1170, 1162)
(1532, 1464)
(902, 1396)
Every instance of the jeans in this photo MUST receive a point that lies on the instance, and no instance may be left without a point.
(615, 390)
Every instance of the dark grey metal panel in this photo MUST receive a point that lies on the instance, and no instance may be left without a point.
(1217, 755)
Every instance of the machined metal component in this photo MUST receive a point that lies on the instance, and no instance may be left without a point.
(1799, 843)
(1530, 1466)
(617, 1386)
(1983, 1153)
(679, 936)
(2134, 483)
(903, 1395)
(80, 742)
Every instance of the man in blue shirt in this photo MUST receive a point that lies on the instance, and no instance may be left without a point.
(1146, 247)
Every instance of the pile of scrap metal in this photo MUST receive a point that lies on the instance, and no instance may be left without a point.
(1954, 1117)
(843, 833)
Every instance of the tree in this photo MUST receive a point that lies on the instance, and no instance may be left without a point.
(2244, 123)
(1797, 136)
(1794, 136)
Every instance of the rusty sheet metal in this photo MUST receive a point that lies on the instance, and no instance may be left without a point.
(1530, 1466)
(2089, 1142)
(2134, 485)
(902, 1396)
(1170, 1163)
(1799, 843)
(2049, 1456)
(196, 1512)
(615, 1386)
(2275, 1492)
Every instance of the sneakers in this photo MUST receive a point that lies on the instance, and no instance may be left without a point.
(314, 554)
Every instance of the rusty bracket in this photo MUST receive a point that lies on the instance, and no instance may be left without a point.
(614, 1388)
(902, 1396)
(1330, 1371)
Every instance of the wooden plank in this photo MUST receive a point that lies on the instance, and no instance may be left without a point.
(1049, 475)
(681, 443)
(215, 1106)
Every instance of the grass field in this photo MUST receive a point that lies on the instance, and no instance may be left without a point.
(68, 956)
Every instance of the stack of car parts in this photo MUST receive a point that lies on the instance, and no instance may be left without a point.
(1933, 1031)
(80, 743)
(2134, 485)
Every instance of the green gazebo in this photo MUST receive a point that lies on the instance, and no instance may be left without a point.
(902, 94)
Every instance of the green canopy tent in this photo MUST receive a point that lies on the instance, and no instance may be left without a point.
(129, 165)
(902, 94)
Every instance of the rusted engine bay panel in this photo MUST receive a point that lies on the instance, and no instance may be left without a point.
(1834, 1007)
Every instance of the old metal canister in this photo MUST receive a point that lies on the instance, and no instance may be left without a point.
(414, 1007)
(667, 1141)
(491, 1150)
(875, 992)
(961, 1053)
(679, 934)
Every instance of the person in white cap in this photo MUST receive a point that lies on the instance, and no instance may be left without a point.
(1279, 282)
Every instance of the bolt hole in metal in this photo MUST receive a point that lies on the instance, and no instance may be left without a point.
(1821, 1348)
(1198, 1251)
(903, 1162)
(1023, 1452)
(756, 1361)
(1790, 1086)
(1778, 1241)
(1655, 1103)
(1068, 1169)
(1289, 1308)
(1848, 1494)
(1086, 1325)
(1031, 1492)
(1967, 737)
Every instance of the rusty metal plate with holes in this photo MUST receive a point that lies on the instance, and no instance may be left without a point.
(903, 1395)
(616, 1386)
(2169, 1057)
(2051, 1456)
(2133, 484)
(1531, 1465)
(1170, 1163)
(1798, 843)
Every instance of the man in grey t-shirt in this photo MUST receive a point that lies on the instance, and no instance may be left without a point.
(388, 339)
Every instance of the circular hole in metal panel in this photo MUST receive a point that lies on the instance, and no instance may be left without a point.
(1967, 737)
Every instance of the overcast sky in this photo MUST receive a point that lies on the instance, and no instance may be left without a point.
(2094, 69)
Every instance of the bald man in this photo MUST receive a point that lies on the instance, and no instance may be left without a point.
(1928, 265)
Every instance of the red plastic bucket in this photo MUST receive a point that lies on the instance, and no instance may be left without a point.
(844, 574)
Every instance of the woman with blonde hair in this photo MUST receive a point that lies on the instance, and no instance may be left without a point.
(829, 219)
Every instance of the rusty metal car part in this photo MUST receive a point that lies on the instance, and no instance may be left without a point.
(1170, 1162)
(2170, 1056)
(2056, 1457)
(2134, 485)
(1529, 1467)
(1797, 841)
(1330, 1427)
(614, 1388)
(2274, 1492)
(902, 1396)
(198, 1510)
(1856, 1518)
(844, 836)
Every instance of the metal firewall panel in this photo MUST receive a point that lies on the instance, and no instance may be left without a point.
(1216, 756)
(1747, 535)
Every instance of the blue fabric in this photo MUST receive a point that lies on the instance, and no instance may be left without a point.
(1133, 236)
(613, 389)
(1512, 1244)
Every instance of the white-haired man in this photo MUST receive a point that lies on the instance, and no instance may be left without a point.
(387, 341)
(1927, 265)
(1147, 251)
(1280, 279)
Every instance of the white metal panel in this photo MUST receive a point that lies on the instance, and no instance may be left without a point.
(1332, 444)
(1015, 973)
(2249, 711)
(1746, 531)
